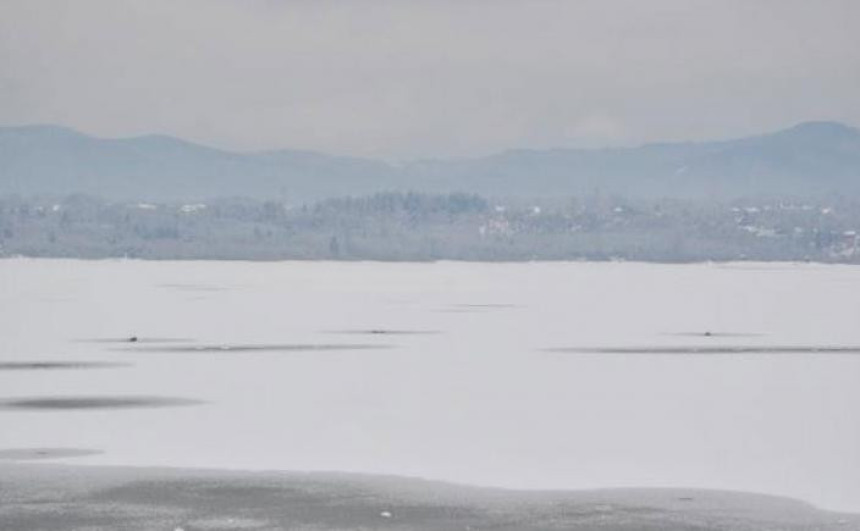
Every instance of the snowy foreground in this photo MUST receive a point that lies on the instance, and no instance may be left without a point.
(736, 377)
(86, 498)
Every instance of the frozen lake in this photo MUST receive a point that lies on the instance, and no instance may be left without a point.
(474, 373)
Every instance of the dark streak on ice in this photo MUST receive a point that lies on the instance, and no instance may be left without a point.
(487, 305)
(193, 287)
(708, 333)
(57, 365)
(710, 349)
(29, 454)
(92, 402)
(385, 331)
(135, 339)
(227, 348)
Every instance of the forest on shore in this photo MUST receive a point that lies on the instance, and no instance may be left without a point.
(418, 227)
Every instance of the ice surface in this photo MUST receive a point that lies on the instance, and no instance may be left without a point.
(481, 400)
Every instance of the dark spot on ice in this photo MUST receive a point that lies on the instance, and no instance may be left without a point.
(93, 402)
(27, 454)
(136, 339)
(709, 333)
(57, 365)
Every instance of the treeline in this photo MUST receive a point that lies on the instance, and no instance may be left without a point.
(410, 226)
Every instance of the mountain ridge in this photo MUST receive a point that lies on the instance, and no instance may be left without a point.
(810, 158)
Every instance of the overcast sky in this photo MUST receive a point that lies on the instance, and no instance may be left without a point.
(420, 78)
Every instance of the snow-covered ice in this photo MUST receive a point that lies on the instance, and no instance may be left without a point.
(480, 401)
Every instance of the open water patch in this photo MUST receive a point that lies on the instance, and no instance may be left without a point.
(72, 403)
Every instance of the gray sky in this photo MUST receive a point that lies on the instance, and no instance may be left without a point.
(415, 78)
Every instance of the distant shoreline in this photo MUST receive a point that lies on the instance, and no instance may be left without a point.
(719, 263)
(412, 227)
(51, 496)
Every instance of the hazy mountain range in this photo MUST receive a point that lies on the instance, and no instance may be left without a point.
(813, 158)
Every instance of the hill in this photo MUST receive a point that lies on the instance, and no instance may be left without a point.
(810, 159)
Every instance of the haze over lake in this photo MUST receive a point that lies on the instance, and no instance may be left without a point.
(473, 373)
